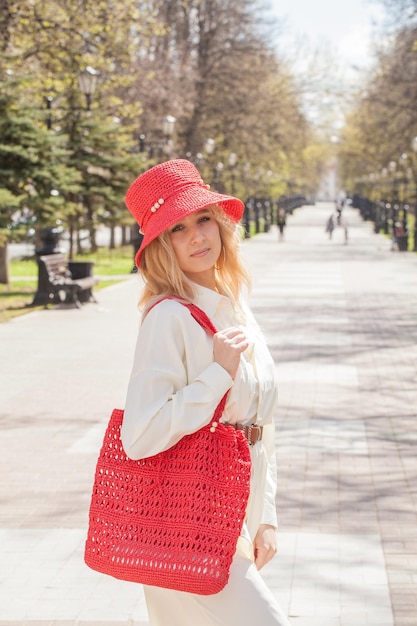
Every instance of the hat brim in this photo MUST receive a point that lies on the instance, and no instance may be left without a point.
(189, 201)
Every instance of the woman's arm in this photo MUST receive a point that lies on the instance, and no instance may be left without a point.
(175, 385)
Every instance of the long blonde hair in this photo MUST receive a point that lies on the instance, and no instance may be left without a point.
(163, 276)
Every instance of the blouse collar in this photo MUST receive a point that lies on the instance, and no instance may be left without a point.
(211, 302)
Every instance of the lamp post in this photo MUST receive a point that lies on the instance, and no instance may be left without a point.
(414, 170)
(49, 100)
(217, 174)
(209, 146)
(403, 182)
(231, 161)
(385, 203)
(168, 126)
(392, 166)
(87, 82)
(157, 147)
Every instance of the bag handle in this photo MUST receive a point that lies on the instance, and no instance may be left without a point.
(203, 319)
(198, 314)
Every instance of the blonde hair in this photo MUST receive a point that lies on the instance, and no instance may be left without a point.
(163, 276)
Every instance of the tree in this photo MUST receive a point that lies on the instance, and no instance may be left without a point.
(57, 40)
(220, 79)
(381, 127)
(8, 204)
(401, 13)
(28, 173)
(208, 63)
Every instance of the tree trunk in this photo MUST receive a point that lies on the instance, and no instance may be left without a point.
(112, 237)
(71, 238)
(79, 245)
(4, 266)
(91, 227)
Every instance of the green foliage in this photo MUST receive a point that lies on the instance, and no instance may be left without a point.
(3, 237)
(32, 160)
(208, 64)
(381, 128)
(8, 204)
(117, 261)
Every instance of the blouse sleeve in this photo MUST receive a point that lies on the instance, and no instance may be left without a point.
(267, 406)
(269, 513)
(175, 386)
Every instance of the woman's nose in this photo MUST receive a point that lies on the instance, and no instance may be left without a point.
(196, 234)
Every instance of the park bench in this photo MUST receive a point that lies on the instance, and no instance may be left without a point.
(63, 280)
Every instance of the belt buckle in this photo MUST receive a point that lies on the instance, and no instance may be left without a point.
(258, 431)
(248, 430)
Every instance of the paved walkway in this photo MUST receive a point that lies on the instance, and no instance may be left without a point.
(341, 323)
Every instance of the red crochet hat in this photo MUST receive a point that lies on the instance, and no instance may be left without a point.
(167, 193)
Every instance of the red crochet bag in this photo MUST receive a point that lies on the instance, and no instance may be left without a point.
(171, 520)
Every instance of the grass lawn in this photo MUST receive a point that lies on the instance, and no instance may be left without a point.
(16, 299)
(107, 263)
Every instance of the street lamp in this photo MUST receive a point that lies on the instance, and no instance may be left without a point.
(87, 82)
(392, 167)
(414, 148)
(209, 146)
(208, 149)
(218, 169)
(168, 126)
(406, 173)
(49, 100)
(232, 160)
(158, 147)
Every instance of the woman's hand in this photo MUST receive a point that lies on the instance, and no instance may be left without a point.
(228, 344)
(265, 545)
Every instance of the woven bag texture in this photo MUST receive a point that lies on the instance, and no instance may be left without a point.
(171, 520)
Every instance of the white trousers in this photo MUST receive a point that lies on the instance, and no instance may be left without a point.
(245, 601)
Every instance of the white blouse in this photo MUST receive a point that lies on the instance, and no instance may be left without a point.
(175, 386)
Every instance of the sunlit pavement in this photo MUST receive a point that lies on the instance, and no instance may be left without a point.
(341, 323)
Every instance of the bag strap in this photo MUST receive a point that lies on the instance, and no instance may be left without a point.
(198, 314)
(203, 319)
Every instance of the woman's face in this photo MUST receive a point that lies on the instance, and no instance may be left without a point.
(197, 245)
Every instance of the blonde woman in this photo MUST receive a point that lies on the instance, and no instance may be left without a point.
(190, 252)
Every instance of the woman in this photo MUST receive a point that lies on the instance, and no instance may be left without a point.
(190, 252)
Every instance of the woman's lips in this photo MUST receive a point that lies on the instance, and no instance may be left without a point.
(201, 252)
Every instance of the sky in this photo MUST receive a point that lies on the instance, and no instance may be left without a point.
(330, 40)
(343, 25)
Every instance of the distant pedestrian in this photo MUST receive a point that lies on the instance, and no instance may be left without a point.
(339, 208)
(330, 226)
(344, 225)
(281, 222)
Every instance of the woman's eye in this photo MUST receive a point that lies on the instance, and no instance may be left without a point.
(176, 228)
(205, 218)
